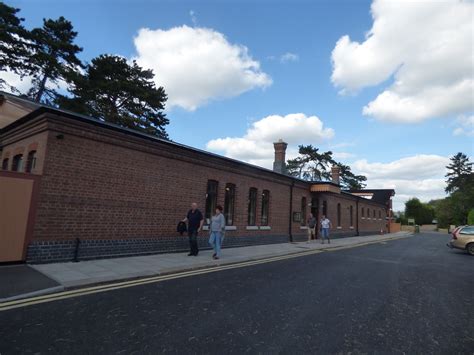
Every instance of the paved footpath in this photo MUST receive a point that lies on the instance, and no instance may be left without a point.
(84, 273)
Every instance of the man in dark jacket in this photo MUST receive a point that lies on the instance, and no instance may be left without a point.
(195, 221)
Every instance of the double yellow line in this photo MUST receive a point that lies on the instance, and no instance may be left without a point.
(143, 281)
(154, 279)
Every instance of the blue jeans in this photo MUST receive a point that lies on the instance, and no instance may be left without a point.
(215, 242)
(325, 233)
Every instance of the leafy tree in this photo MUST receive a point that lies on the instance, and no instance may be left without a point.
(14, 42)
(311, 164)
(349, 180)
(118, 92)
(459, 171)
(54, 58)
(470, 217)
(421, 212)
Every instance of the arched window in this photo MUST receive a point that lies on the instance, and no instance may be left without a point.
(252, 207)
(265, 208)
(211, 199)
(351, 216)
(303, 211)
(17, 163)
(363, 212)
(5, 164)
(229, 202)
(31, 161)
(338, 214)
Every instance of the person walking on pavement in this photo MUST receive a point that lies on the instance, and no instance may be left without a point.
(311, 224)
(325, 226)
(217, 231)
(195, 221)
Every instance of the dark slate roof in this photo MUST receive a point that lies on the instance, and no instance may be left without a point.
(381, 196)
(43, 108)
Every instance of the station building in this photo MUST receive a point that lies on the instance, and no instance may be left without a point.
(75, 188)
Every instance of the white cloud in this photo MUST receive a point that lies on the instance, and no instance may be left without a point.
(419, 176)
(427, 46)
(289, 57)
(193, 16)
(465, 126)
(343, 155)
(12, 79)
(196, 65)
(256, 146)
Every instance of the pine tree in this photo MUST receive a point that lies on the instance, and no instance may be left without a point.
(459, 172)
(311, 164)
(349, 180)
(54, 58)
(118, 92)
(15, 44)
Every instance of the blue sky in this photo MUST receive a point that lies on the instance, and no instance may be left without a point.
(308, 32)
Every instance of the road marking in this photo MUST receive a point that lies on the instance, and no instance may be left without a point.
(155, 279)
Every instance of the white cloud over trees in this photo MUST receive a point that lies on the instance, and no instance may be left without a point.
(196, 65)
(256, 146)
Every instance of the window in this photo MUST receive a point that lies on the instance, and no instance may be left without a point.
(380, 214)
(303, 211)
(338, 214)
(17, 163)
(5, 164)
(211, 199)
(467, 230)
(229, 202)
(351, 216)
(373, 214)
(252, 207)
(265, 207)
(325, 208)
(31, 162)
(363, 212)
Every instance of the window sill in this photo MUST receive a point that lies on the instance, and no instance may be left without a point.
(252, 228)
(265, 228)
(338, 227)
(362, 217)
(303, 227)
(351, 227)
(205, 228)
(230, 228)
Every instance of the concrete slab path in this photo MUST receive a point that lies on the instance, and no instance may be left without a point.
(90, 272)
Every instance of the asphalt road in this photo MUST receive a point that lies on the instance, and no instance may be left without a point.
(411, 295)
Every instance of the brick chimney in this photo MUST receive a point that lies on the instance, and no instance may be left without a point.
(279, 165)
(335, 174)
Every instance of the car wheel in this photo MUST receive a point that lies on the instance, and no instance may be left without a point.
(470, 248)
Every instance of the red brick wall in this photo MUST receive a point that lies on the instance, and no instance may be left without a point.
(103, 184)
(111, 186)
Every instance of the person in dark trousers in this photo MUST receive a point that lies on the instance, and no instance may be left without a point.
(195, 221)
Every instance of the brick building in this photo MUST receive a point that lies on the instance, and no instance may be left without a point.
(94, 190)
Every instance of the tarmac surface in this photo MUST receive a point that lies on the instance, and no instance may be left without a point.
(411, 295)
(22, 279)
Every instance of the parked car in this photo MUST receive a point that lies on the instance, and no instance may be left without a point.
(463, 238)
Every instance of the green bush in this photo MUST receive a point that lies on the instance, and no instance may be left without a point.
(470, 217)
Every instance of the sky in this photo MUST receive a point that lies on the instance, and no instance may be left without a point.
(388, 86)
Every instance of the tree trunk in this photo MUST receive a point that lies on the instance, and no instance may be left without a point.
(41, 87)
